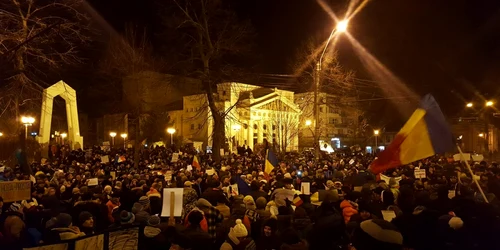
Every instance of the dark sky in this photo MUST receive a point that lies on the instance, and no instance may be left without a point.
(450, 48)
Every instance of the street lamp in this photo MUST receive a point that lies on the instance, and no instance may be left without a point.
(341, 27)
(27, 121)
(469, 105)
(376, 132)
(489, 103)
(481, 135)
(63, 136)
(171, 131)
(113, 135)
(1, 134)
(308, 123)
(124, 136)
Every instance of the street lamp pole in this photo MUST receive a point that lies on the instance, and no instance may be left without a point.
(27, 121)
(113, 135)
(376, 132)
(124, 136)
(171, 131)
(341, 27)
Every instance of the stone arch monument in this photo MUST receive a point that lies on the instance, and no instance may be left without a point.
(69, 95)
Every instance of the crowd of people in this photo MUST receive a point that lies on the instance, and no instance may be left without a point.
(234, 204)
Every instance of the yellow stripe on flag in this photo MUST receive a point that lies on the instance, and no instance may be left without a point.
(417, 144)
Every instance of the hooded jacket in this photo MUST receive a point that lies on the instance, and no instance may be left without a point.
(348, 209)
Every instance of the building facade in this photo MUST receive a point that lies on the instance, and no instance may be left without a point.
(339, 120)
(471, 135)
(253, 115)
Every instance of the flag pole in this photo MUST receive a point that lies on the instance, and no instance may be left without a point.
(471, 173)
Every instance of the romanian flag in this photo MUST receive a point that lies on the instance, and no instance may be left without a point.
(271, 161)
(425, 134)
(297, 201)
(196, 163)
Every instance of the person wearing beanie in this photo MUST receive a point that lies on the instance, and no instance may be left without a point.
(144, 201)
(63, 229)
(269, 238)
(126, 218)
(377, 234)
(86, 223)
(153, 236)
(292, 241)
(113, 204)
(238, 238)
(152, 230)
(141, 216)
(261, 203)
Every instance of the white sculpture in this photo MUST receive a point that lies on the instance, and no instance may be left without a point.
(69, 95)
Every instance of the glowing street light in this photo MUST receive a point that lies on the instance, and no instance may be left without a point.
(27, 121)
(481, 135)
(63, 136)
(342, 25)
(1, 134)
(124, 136)
(376, 132)
(469, 105)
(171, 131)
(113, 135)
(308, 123)
(489, 103)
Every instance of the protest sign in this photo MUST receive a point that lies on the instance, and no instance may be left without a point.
(388, 215)
(175, 157)
(93, 182)
(477, 157)
(419, 173)
(458, 157)
(172, 202)
(104, 159)
(305, 187)
(15, 190)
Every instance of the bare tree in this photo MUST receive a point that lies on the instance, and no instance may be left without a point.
(286, 126)
(126, 56)
(52, 49)
(210, 33)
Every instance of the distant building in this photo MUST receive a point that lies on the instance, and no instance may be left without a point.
(254, 114)
(470, 133)
(339, 120)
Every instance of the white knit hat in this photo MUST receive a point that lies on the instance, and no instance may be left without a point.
(239, 230)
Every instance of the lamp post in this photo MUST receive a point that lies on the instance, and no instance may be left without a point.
(484, 114)
(171, 131)
(341, 27)
(113, 135)
(63, 136)
(1, 134)
(124, 136)
(376, 132)
(27, 121)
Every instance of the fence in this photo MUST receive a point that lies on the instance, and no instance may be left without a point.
(118, 239)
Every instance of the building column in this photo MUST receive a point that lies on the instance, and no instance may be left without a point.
(250, 134)
(259, 132)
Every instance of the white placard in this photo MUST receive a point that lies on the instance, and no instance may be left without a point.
(477, 157)
(189, 168)
(221, 151)
(104, 159)
(305, 188)
(419, 173)
(351, 162)
(233, 191)
(93, 182)
(210, 171)
(175, 157)
(457, 157)
(284, 194)
(388, 215)
(167, 192)
(451, 194)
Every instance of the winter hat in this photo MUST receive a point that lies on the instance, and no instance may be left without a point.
(126, 217)
(261, 203)
(154, 221)
(203, 203)
(144, 201)
(329, 184)
(287, 176)
(108, 189)
(84, 216)
(377, 234)
(15, 207)
(137, 207)
(239, 230)
(249, 202)
(63, 220)
(272, 223)
(453, 222)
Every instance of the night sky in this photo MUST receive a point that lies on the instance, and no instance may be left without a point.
(450, 48)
